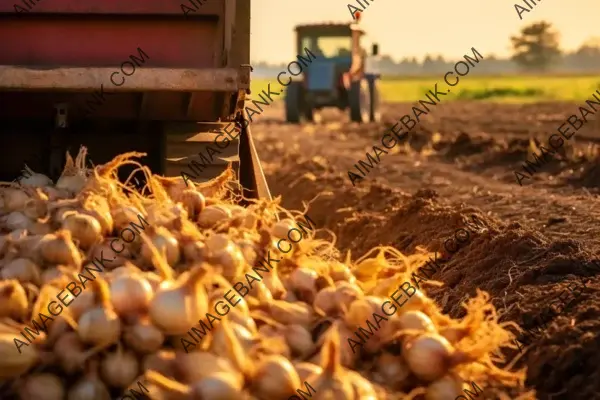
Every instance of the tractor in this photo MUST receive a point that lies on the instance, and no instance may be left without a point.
(338, 77)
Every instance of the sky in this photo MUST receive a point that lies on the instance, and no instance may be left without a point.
(405, 28)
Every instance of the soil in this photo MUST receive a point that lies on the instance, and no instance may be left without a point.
(540, 239)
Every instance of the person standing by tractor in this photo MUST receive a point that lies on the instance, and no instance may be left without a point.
(358, 56)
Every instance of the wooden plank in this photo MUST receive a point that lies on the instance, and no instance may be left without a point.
(192, 149)
(154, 79)
(188, 129)
(211, 172)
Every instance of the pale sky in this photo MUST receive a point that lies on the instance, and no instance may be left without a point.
(405, 28)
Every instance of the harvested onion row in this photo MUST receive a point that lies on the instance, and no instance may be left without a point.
(264, 326)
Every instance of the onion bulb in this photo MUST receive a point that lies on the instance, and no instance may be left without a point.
(58, 248)
(193, 202)
(340, 272)
(304, 280)
(429, 356)
(31, 178)
(197, 365)
(214, 387)
(17, 220)
(12, 363)
(100, 325)
(69, 352)
(299, 339)
(218, 386)
(332, 382)
(231, 260)
(163, 362)
(291, 313)
(164, 242)
(123, 215)
(84, 228)
(347, 292)
(361, 310)
(325, 301)
(143, 337)
(97, 207)
(416, 320)
(37, 206)
(446, 388)
(130, 294)
(90, 387)
(275, 378)
(213, 215)
(72, 183)
(120, 368)
(228, 335)
(393, 371)
(21, 269)
(306, 369)
(13, 199)
(13, 300)
(281, 228)
(363, 389)
(178, 305)
(42, 387)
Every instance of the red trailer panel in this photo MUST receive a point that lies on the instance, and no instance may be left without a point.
(66, 46)
(137, 7)
(102, 41)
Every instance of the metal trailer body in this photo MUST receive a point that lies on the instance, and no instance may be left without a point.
(121, 76)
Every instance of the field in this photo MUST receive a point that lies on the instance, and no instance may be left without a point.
(506, 89)
(541, 238)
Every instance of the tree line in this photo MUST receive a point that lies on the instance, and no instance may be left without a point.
(535, 49)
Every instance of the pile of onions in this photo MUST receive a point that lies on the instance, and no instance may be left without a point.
(166, 310)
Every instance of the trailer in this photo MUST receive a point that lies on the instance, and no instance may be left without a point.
(166, 78)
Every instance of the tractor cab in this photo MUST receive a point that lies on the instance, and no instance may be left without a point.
(337, 77)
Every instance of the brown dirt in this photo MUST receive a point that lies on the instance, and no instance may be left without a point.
(539, 239)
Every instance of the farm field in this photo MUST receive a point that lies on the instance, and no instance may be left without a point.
(504, 89)
(541, 238)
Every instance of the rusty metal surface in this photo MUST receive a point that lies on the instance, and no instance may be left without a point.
(209, 7)
(151, 79)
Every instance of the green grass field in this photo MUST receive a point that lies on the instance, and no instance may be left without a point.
(506, 89)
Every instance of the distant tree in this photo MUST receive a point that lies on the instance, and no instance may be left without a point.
(428, 64)
(387, 60)
(590, 48)
(537, 47)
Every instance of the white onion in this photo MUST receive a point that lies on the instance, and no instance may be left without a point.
(416, 320)
(212, 215)
(71, 183)
(13, 199)
(37, 180)
(428, 356)
(446, 388)
(130, 294)
(17, 220)
(178, 305)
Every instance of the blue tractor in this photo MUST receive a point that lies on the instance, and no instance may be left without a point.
(338, 77)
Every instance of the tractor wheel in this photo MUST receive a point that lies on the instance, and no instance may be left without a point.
(293, 102)
(374, 114)
(359, 100)
(308, 113)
